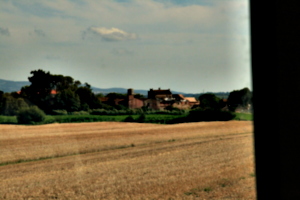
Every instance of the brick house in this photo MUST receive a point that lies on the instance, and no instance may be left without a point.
(157, 100)
(132, 102)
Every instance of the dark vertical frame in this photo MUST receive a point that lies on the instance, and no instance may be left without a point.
(275, 49)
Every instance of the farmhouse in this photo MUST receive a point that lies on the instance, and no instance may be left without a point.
(158, 99)
(132, 102)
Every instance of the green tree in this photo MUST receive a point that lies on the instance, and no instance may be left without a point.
(141, 118)
(39, 92)
(67, 100)
(1, 99)
(64, 82)
(69, 94)
(209, 101)
(114, 95)
(238, 98)
(11, 105)
(88, 99)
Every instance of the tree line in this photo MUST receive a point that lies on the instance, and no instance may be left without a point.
(70, 94)
(50, 92)
(236, 99)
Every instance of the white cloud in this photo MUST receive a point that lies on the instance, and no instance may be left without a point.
(112, 34)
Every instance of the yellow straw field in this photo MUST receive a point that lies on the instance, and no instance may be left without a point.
(117, 160)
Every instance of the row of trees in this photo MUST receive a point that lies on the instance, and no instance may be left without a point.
(57, 92)
(236, 99)
(50, 92)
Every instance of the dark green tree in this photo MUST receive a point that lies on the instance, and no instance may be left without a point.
(1, 99)
(39, 92)
(65, 82)
(240, 98)
(11, 105)
(68, 100)
(57, 92)
(114, 95)
(209, 101)
(87, 98)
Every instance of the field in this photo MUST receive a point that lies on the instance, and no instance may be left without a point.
(117, 160)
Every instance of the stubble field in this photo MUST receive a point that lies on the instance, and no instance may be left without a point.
(117, 160)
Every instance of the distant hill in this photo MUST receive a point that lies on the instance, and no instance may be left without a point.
(124, 91)
(117, 90)
(14, 86)
(222, 95)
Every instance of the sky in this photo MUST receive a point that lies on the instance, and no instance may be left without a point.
(192, 46)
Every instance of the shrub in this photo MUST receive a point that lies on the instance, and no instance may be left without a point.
(178, 120)
(141, 118)
(209, 115)
(31, 115)
(129, 119)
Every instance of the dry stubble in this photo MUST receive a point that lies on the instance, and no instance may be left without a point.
(208, 160)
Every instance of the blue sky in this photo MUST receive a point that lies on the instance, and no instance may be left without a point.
(189, 46)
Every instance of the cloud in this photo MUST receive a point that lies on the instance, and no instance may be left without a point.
(37, 8)
(4, 31)
(39, 32)
(112, 34)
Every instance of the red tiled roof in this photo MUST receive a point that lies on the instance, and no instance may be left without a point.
(191, 99)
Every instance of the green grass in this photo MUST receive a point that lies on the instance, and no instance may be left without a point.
(149, 118)
(8, 119)
(161, 118)
(85, 118)
(244, 116)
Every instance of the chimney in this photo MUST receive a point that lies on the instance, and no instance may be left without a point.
(130, 91)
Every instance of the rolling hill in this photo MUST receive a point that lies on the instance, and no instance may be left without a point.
(14, 86)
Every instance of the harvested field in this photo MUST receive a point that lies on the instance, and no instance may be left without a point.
(115, 160)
